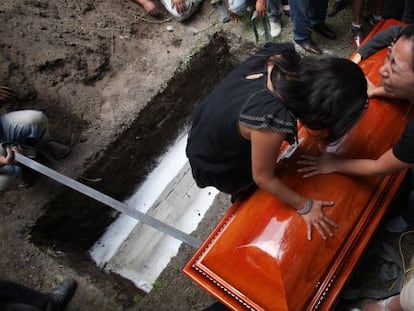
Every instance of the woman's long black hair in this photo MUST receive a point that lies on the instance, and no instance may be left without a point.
(323, 93)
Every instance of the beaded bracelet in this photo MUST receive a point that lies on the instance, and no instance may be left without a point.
(306, 208)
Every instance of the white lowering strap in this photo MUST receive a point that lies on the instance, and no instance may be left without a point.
(107, 200)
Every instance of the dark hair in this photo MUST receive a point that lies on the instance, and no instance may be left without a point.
(323, 93)
(408, 33)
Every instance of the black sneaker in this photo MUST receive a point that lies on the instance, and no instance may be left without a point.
(63, 292)
(356, 36)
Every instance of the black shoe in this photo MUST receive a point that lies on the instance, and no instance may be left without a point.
(324, 31)
(336, 7)
(56, 150)
(356, 36)
(27, 178)
(309, 46)
(63, 292)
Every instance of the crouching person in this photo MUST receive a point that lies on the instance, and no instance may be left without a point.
(25, 131)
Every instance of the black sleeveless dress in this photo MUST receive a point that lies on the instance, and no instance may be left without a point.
(219, 156)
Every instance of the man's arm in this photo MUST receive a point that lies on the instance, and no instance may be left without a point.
(380, 40)
(386, 164)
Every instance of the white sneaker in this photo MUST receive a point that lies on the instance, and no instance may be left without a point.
(275, 29)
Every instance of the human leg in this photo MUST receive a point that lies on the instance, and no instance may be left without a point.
(408, 15)
(13, 295)
(356, 26)
(273, 14)
(25, 127)
(30, 128)
(317, 12)
(238, 7)
(11, 176)
(299, 15)
(376, 12)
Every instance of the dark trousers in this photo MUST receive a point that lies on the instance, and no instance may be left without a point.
(15, 297)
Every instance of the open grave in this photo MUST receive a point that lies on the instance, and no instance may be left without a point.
(73, 224)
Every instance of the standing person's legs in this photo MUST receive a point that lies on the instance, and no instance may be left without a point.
(299, 10)
(408, 16)
(356, 27)
(299, 15)
(376, 12)
(317, 11)
(273, 14)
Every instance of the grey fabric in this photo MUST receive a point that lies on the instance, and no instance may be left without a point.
(24, 127)
(387, 262)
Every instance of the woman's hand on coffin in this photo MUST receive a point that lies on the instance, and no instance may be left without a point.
(316, 218)
(323, 164)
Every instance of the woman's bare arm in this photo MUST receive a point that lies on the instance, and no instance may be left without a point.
(265, 149)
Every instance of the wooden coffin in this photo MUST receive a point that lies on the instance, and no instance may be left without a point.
(258, 256)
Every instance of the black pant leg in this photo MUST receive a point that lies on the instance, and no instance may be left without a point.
(14, 294)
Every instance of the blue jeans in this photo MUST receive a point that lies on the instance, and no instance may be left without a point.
(25, 127)
(239, 7)
(305, 14)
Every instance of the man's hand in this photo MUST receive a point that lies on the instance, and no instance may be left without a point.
(234, 16)
(9, 157)
(324, 164)
(6, 94)
(316, 218)
(260, 8)
(179, 5)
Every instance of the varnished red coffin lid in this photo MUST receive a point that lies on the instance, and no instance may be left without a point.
(258, 257)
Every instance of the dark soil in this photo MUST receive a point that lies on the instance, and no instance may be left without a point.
(117, 87)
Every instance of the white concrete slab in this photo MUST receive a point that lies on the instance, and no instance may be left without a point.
(139, 252)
